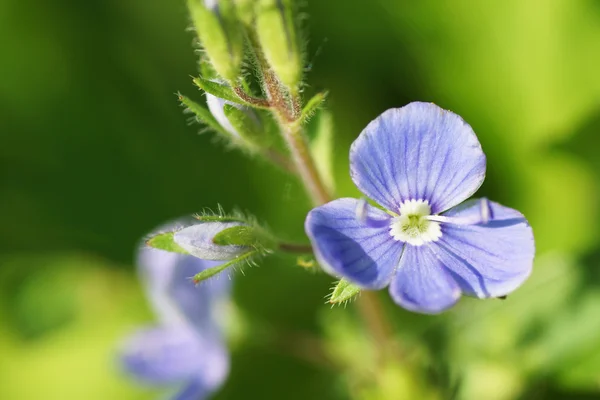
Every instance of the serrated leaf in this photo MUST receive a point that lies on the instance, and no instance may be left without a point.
(313, 105)
(210, 272)
(203, 115)
(343, 292)
(216, 89)
(165, 241)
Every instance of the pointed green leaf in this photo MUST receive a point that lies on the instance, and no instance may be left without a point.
(236, 235)
(343, 292)
(246, 126)
(207, 71)
(203, 115)
(164, 241)
(245, 235)
(313, 105)
(210, 272)
(216, 89)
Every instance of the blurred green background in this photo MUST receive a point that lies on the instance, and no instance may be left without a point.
(96, 151)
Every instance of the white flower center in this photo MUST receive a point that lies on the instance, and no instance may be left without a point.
(412, 226)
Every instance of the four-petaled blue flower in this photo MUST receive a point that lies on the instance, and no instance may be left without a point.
(186, 349)
(420, 162)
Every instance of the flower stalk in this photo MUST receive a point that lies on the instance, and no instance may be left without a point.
(287, 107)
(288, 110)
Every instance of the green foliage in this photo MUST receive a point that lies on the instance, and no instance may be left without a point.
(236, 235)
(312, 105)
(247, 126)
(164, 241)
(221, 36)
(276, 29)
(217, 89)
(203, 115)
(210, 272)
(344, 291)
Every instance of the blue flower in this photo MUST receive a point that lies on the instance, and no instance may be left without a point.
(185, 350)
(420, 162)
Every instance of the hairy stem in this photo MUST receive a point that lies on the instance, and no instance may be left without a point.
(288, 109)
(261, 103)
(305, 164)
(279, 159)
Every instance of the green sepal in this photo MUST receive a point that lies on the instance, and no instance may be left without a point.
(313, 105)
(203, 115)
(244, 235)
(246, 10)
(218, 218)
(221, 36)
(246, 126)
(210, 272)
(343, 292)
(216, 89)
(322, 146)
(276, 30)
(206, 69)
(165, 241)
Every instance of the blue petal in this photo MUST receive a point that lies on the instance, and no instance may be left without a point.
(422, 284)
(194, 390)
(347, 247)
(417, 152)
(487, 260)
(164, 354)
(200, 304)
(198, 241)
(173, 296)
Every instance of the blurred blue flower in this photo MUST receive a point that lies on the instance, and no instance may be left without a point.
(419, 162)
(186, 349)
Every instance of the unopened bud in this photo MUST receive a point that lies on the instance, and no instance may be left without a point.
(199, 241)
(221, 34)
(276, 29)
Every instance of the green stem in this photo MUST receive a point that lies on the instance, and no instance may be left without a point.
(288, 109)
(304, 163)
(260, 103)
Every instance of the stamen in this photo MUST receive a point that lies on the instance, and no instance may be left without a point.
(362, 215)
(485, 216)
(412, 225)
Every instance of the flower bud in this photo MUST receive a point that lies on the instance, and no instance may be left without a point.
(276, 29)
(216, 106)
(240, 121)
(199, 241)
(221, 34)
